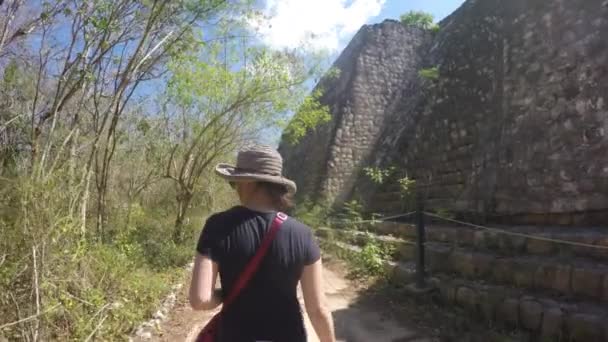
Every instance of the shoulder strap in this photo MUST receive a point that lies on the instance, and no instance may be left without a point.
(254, 263)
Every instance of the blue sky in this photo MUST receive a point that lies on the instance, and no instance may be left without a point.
(329, 25)
(439, 8)
(326, 25)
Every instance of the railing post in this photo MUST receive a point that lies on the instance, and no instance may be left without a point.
(420, 239)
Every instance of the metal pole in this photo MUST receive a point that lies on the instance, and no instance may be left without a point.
(420, 239)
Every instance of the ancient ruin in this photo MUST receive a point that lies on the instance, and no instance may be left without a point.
(514, 127)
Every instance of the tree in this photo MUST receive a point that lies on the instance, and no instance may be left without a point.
(237, 101)
(91, 60)
(419, 19)
(311, 113)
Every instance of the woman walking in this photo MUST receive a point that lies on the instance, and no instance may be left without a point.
(277, 251)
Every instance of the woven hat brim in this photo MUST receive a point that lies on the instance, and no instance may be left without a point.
(229, 173)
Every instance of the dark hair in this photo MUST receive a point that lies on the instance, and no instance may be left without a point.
(279, 194)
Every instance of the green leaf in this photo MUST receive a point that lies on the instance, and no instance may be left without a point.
(418, 19)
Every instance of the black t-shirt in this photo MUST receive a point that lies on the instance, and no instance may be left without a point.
(268, 308)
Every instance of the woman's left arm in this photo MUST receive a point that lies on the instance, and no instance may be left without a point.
(204, 274)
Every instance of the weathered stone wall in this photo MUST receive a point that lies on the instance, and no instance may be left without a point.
(379, 63)
(516, 125)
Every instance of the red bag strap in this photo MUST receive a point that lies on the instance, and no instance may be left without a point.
(255, 262)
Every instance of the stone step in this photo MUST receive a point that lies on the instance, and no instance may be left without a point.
(551, 320)
(561, 276)
(569, 278)
(504, 244)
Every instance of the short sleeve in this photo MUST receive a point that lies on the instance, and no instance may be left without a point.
(207, 241)
(312, 252)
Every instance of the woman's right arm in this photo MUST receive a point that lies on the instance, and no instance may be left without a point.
(316, 303)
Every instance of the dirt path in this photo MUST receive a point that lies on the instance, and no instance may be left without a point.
(354, 322)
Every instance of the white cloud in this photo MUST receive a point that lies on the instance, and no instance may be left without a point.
(322, 24)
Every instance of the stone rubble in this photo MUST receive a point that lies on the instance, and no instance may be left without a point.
(147, 329)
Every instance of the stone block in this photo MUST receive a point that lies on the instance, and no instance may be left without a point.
(540, 247)
(585, 327)
(492, 239)
(563, 279)
(601, 253)
(587, 282)
(482, 263)
(502, 271)
(605, 287)
(466, 297)
(587, 239)
(488, 303)
(553, 322)
(508, 311)
(407, 251)
(530, 314)
(462, 262)
(466, 237)
(402, 274)
(545, 275)
(443, 235)
(479, 239)
(513, 244)
(523, 273)
(518, 243)
(437, 234)
(438, 258)
(447, 292)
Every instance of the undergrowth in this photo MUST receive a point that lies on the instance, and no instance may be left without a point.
(58, 283)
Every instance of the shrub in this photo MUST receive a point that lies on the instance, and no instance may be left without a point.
(431, 74)
(419, 19)
(370, 262)
(377, 175)
(350, 216)
(312, 214)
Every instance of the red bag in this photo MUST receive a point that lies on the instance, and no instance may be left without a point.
(209, 332)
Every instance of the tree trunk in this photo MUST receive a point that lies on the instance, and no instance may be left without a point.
(101, 211)
(183, 201)
(83, 204)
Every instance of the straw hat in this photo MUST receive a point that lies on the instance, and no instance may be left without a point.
(257, 163)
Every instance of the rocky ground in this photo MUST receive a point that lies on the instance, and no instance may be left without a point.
(356, 320)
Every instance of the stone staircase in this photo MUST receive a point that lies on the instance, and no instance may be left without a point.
(555, 291)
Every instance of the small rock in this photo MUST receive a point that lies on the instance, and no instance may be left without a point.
(143, 334)
(159, 315)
